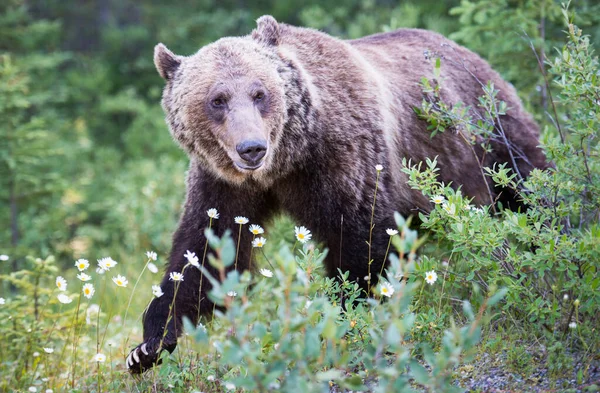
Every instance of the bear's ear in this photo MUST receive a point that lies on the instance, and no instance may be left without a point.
(166, 62)
(267, 30)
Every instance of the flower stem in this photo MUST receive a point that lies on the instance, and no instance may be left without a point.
(371, 226)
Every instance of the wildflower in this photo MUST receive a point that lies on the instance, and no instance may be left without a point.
(576, 303)
(210, 378)
(229, 386)
(438, 199)
(302, 234)
(61, 283)
(106, 263)
(266, 273)
(387, 289)
(120, 280)
(92, 312)
(192, 258)
(241, 220)
(99, 357)
(32, 389)
(450, 208)
(88, 290)
(213, 213)
(64, 299)
(175, 276)
(431, 277)
(151, 255)
(232, 293)
(391, 232)
(572, 325)
(259, 242)
(99, 270)
(82, 264)
(2, 301)
(256, 229)
(49, 391)
(84, 277)
(378, 168)
(35, 354)
(157, 291)
(566, 297)
(4, 257)
(152, 267)
(48, 350)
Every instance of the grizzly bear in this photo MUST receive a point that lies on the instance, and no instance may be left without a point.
(291, 119)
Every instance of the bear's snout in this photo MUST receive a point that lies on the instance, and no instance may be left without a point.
(252, 152)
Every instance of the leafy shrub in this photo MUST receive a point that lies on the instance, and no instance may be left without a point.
(548, 253)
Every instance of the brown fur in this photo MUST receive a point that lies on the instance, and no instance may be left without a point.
(332, 110)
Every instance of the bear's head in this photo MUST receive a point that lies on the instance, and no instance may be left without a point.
(225, 105)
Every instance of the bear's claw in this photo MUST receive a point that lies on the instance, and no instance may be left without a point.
(146, 355)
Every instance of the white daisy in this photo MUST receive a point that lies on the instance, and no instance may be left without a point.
(2, 301)
(386, 289)
(438, 199)
(151, 255)
(48, 350)
(88, 290)
(378, 168)
(241, 220)
(61, 283)
(64, 299)
(302, 234)
(431, 277)
(391, 232)
(259, 242)
(99, 357)
(450, 208)
(213, 213)
(192, 258)
(157, 291)
(175, 276)
(266, 273)
(256, 229)
(4, 257)
(84, 277)
(120, 280)
(106, 263)
(82, 264)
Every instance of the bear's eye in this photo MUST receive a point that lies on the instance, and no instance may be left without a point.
(259, 96)
(219, 102)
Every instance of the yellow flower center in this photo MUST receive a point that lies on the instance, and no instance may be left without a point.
(300, 236)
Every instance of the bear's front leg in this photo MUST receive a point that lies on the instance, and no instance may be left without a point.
(163, 320)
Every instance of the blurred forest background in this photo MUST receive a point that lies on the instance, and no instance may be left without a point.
(87, 166)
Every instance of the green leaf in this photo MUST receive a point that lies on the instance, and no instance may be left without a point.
(419, 373)
(495, 298)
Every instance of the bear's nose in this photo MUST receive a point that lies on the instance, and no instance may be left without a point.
(252, 151)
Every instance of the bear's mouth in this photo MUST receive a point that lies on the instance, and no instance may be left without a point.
(248, 167)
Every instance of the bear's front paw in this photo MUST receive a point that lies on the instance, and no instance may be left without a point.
(146, 355)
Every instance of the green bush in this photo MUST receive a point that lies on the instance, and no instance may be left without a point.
(547, 254)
